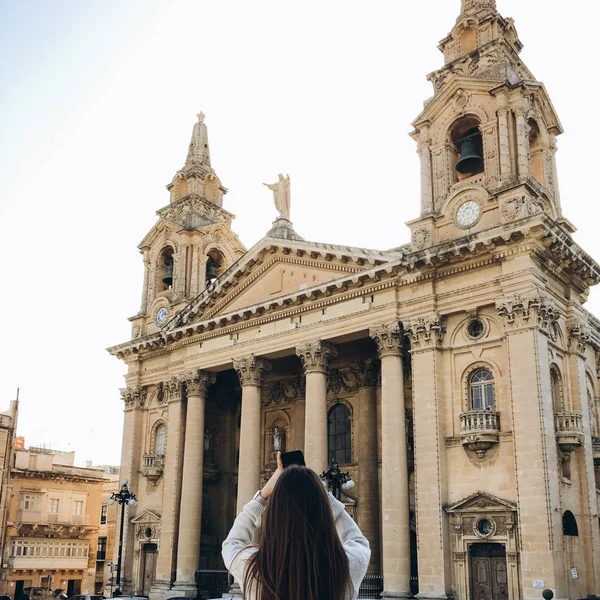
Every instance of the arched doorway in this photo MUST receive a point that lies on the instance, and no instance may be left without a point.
(489, 578)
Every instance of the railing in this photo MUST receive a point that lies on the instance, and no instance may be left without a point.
(371, 586)
(153, 460)
(58, 519)
(568, 423)
(29, 516)
(211, 583)
(479, 420)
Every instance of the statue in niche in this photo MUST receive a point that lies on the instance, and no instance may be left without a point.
(281, 195)
(209, 450)
(277, 439)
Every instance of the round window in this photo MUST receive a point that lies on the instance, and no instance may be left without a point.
(476, 328)
(485, 527)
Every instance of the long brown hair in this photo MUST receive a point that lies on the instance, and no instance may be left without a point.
(300, 555)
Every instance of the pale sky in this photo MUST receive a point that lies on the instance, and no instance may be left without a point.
(97, 104)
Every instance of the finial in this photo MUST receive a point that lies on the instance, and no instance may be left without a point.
(201, 116)
(470, 7)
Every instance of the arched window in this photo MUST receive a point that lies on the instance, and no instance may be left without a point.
(164, 269)
(536, 153)
(215, 265)
(569, 524)
(160, 440)
(468, 147)
(339, 439)
(481, 390)
(556, 388)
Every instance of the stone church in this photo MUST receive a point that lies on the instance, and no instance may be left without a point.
(455, 377)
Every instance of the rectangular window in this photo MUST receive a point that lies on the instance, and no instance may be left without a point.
(78, 507)
(53, 506)
(30, 503)
(103, 514)
(101, 554)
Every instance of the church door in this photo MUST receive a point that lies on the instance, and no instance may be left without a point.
(489, 579)
(148, 567)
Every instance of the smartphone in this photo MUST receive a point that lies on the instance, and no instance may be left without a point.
(295, 457)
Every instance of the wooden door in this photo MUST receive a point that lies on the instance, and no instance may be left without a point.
(489, 580)
(148, 567)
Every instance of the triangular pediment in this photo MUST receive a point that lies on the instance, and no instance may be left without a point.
(276, 268)
(482, 502)
(148, 516)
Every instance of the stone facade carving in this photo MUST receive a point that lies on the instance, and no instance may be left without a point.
(134, 397)
(528, 310)
(388, 338)
(316, 356)
(580, 337)
(367, 373)
(251, 370)
(172, 389)
(193, 211)
(197, 382)
(341, 381)
(425, 332)
(421, 238)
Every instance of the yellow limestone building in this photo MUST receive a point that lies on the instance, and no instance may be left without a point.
(455, 377)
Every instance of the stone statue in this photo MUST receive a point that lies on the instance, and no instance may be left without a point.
(281, 195)
(207, 438)
(277, 439)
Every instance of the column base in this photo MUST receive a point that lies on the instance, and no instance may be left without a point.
(388, 594)
(184, 588)
(432, 596)
(160, 590)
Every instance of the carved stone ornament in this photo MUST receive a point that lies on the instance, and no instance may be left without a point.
(388, 338)
(251, 369)
(580, 337)
(341, 381)
(172, 389)
(134, 397)
(534, 309)
(316, 356)
(470, 7)
(511, 207)
(421, 238)
(197, 382)
(367, 373)
(426, 331)
(193, 211)
(460, 101)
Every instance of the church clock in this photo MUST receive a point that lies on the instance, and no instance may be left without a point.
(161, 316)
(468, 214)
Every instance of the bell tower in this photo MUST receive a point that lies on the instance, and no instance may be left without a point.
(191, 244)
(487, 138)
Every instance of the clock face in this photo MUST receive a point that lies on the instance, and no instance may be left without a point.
(161, 316)
(468, 214)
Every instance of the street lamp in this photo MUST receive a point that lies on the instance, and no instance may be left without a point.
(123, 496)
(336, 480)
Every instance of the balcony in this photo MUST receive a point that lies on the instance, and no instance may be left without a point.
(480, 430)
(152, 467)
(42, 523)
(569, 430)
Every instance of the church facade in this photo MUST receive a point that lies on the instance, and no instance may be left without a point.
(455, 377)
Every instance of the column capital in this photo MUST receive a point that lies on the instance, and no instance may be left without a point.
(172, 389)
(530, 309)
(197, 381)
(580, 336)
(388, 337)
(426, 332)
(134, 397)
(316, 356)
(367, 372)
(251, 369)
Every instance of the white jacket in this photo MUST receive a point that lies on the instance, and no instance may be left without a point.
(237, 549)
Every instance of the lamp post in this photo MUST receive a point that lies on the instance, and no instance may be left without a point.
(123, 496)
(336, 480)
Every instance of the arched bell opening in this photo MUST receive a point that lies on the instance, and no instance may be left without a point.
(467, 143)
(536, 153)
(164, 269)
(215, 265)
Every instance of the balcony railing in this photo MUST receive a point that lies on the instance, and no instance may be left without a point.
(569, 430)
(38, 517)
(475, 421)
(153, 460)
(152, 467)
(480, 430)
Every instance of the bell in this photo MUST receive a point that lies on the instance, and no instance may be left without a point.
(211, 269)
(471, 160)
(168, 278)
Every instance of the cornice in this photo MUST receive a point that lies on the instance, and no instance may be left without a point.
(55, 476)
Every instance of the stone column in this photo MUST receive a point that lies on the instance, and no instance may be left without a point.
(145, 291)
(315, 357)
(367, 373)
(190, 512)
(553, 175)
(165, 564)
(528, 318)
(395, 520)
(251, 371)
(580, 339)
(505, 170)
(523, 166)
(426, 334)
(424, 151)
(134, 398)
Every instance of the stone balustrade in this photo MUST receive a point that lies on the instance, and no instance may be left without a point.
(569, 430)
(152, 467)
(480, 430)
